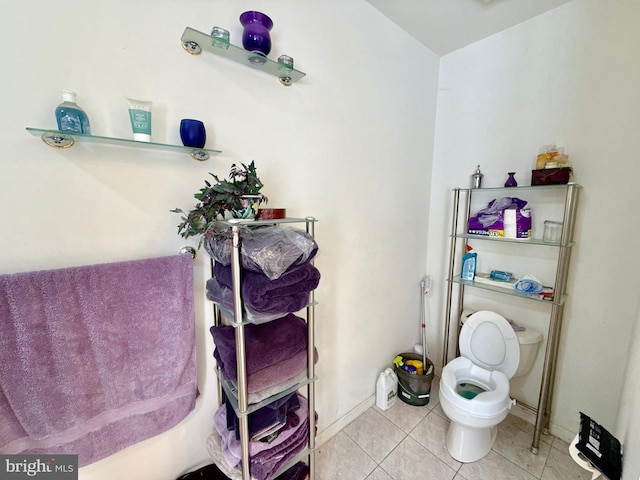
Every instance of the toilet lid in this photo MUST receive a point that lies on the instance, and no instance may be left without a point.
(488, 340)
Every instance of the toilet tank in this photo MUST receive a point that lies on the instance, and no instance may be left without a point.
(529, 341)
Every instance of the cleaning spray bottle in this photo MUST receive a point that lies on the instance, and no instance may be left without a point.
(469, 264)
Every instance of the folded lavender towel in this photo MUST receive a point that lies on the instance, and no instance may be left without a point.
(95, 358)
(266, 344)
(260, 395)
(279, 372)
(288, 293)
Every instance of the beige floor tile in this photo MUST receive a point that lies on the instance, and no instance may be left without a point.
(375, 434)
(513, 443)
(341, 459)
(430, 433)
(560, 466)
(405, 416)
(410, 460)
(379, 474)
(494, 467)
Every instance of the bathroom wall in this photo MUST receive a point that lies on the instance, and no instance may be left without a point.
(569, 76)
(350, 144)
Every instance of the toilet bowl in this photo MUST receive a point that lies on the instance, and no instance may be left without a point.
(474, 388)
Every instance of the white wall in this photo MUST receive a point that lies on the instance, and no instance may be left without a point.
(350, 144)
(569, 76)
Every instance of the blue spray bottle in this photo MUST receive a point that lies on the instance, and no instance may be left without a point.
(469, 264)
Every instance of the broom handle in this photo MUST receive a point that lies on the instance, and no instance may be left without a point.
(424, 330)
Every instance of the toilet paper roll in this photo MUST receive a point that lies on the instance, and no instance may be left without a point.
(576, 456)
(510, 223)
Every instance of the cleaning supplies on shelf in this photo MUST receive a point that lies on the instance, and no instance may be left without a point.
(386, 389)
(490, 221)
(469, 264)
(70, 117)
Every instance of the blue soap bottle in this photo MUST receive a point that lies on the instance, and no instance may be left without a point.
(469, 264)
(70, 117)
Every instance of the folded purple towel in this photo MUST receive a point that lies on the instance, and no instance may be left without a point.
(266, 344)
(223, 297)
(95, 358)
(275, 413)
(288, 293)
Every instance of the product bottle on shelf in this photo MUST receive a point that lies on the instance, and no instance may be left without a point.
(70, 117)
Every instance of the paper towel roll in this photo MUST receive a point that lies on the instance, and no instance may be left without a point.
(510, 230)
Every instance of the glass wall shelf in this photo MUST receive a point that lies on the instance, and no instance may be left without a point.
(194, 42)
(527, 241)
(560, 186)
(57, 139)
(509, 291)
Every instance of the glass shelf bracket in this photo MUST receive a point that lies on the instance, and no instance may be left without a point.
(194, 42)
(57, 139)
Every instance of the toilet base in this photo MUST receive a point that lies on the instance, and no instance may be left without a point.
(467, 444)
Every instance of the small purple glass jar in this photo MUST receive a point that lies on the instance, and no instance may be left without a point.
(256, 36)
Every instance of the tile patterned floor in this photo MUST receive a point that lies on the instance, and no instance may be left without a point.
(407, 443)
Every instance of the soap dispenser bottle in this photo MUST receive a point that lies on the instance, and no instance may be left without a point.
(70, 117)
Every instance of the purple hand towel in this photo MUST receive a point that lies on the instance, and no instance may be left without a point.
(288, 293)
(95, 358)
(266, 344)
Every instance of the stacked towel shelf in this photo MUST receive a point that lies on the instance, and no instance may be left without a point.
(253, 310)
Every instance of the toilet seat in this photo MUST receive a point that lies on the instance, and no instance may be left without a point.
(490, 356)
(494, 401)
(489, 341)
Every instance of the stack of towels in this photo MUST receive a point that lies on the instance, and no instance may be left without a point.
(269, 448)
(276, 357)
(270, 288)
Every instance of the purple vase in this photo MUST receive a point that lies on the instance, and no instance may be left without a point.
(511, 181)
(256, 36)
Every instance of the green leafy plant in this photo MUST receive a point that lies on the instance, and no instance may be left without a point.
(215, 201)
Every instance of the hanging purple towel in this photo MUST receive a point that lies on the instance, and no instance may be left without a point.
(95, 358)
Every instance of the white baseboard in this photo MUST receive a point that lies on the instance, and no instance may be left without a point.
(345, 420)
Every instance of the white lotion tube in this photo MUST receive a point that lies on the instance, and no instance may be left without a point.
(140, 115)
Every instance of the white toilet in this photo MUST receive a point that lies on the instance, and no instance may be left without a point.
(474, 388)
